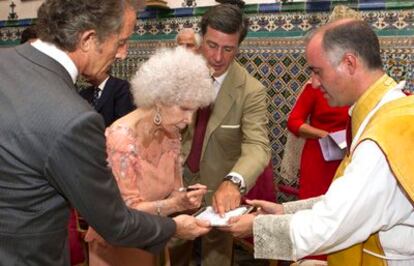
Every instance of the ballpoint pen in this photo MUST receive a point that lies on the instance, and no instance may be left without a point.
(188, 189)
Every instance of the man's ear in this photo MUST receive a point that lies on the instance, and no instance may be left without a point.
(87, 40)
(350, 63)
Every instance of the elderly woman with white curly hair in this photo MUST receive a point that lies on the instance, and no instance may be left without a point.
(144, 146)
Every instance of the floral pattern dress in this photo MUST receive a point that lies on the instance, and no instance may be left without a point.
(144, 172)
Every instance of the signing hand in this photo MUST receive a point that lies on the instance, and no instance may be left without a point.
(188, 227)
(191, 199)
(226, 198)
(266, 207)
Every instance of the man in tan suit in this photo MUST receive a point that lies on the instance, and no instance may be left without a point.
(235, 147)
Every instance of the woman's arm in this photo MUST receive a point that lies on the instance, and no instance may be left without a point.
(297, 121)
(123, 158)
(309, 132)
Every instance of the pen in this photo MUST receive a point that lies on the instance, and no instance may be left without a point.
(188, 189)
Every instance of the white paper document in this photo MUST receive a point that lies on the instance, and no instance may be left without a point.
(214, 218)
(333, 146)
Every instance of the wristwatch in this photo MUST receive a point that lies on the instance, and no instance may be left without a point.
(235, 180)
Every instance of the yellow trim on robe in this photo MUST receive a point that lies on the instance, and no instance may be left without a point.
(392, 128)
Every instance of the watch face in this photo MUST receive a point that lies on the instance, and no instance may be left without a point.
(234, 180)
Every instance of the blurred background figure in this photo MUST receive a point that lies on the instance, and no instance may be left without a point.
(188, 38)
(312, 118)
(110, 96)
(28, 35)
(144, 146)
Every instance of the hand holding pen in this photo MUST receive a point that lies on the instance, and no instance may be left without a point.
(190, 197)
(194, 188)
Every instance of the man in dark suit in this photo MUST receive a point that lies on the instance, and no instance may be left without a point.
(235, 147)
(52, 144)
(110, 96)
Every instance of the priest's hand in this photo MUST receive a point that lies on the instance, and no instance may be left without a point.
(240, 226)
(266, 207)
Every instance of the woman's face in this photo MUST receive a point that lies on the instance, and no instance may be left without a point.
(177, 116)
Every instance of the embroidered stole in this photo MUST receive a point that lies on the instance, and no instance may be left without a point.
(392, 129)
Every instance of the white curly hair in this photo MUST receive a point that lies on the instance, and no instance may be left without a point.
(173, 76)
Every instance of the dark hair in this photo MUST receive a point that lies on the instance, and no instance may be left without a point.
(62, 21)
(239, 3)
(354, 36)
(27, 34)
(226, 18)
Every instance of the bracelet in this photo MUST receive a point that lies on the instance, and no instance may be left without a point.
(158, 205)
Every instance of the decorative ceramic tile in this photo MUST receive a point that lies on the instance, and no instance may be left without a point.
(281, 66)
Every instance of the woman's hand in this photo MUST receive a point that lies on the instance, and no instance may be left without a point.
(190, 199)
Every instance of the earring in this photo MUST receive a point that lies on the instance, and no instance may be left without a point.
(157, 118)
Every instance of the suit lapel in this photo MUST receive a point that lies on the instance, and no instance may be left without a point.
(225, 99)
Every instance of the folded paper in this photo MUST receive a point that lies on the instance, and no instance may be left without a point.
(215, 219)
(333, 146)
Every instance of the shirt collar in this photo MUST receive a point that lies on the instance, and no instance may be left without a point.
(103, 84)
(59, 55)
(221, 78)
(218, 81)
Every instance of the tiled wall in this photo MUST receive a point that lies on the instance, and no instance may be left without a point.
(273, 51)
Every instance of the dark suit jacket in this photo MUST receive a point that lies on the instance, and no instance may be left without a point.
(115, 101)
(52, 155)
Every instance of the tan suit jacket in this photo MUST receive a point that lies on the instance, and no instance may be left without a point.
(236, 138)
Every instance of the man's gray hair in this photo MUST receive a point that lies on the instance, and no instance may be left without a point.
(353, 36)
(173, 76)
(61, 22)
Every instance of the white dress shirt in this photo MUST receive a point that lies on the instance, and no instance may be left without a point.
(57, 54)
(102, 86)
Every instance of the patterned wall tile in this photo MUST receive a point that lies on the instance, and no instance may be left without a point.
(281, 66)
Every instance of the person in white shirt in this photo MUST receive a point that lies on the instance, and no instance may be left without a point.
(367, 215)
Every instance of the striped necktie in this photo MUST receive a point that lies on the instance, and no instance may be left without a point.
(95, 96)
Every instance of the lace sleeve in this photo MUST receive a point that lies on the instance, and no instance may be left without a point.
(272, 237)
(294, 206)
(122, 158)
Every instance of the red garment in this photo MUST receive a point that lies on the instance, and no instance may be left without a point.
(193, 160)
(264, 188)
(315, 173)
(77, 255)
